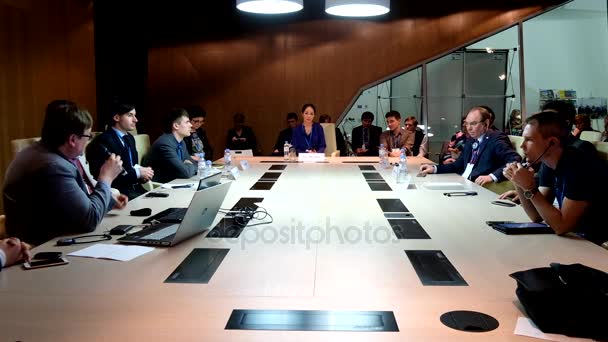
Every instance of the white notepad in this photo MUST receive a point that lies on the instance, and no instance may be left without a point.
(113, 252)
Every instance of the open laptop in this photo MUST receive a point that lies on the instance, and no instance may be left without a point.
(176, 215)
(200, 215)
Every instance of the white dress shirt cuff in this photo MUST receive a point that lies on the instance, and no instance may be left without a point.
(137, 172)
(493, 177)
(2, 258)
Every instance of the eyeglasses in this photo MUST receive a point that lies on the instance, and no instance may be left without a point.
(197, 121)
(85, 136)
(408, 125)
(471, 124)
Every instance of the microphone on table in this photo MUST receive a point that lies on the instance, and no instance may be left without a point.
(108, 155)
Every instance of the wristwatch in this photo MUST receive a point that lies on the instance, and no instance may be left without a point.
(528, 194)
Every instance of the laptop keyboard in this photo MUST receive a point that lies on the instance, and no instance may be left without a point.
(163, 233)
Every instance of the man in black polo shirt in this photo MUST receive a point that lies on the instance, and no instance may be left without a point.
(571, 172)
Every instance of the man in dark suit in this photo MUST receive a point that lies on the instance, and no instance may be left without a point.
(117, 139)
(485, 154)
(45, 194)
(168, 155)
(366, 138)
(286, 134)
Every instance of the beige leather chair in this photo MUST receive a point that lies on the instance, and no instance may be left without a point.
(329, 130)
(516, 141)
(591, 136)
(602, 149)
(20, 144)
(142, 145)
(2, 226)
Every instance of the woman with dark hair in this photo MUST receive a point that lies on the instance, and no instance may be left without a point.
(308, 137)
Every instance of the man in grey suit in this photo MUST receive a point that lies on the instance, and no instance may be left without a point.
(168, 155)
(45, 193)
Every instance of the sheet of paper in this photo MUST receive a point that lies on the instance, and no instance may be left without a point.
(467, 171)
(113, 252)
(526, 327)
(177, 185)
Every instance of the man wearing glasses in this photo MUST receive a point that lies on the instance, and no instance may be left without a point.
(485, 153)
(45, 194)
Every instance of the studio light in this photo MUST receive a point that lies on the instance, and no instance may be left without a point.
(269, 6)
(357, 8)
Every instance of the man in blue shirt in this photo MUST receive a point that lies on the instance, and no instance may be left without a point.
(117, 139)
(168, 155)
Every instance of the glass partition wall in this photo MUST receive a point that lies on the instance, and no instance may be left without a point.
(564, 56)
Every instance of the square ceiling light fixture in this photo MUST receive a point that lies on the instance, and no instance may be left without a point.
(269, 6)
(357, 8)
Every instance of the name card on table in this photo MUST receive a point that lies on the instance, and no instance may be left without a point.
(311, 157)
(235, 173)
(244, 164)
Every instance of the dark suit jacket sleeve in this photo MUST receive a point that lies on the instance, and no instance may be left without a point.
(96, 157)
(179, 168)
(357, 137)
(504, 151)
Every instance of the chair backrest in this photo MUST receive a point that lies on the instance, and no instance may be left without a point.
(142, 145)
(2, 226)
(602, 149)
(20, 144)
(591, 136)
(241, 153)
(329, 130)
(516, 141)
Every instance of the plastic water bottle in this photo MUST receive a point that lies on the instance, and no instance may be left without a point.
(202, 168)
(382, 155)
(208, 167)
(402, 170)
(227, 160)
(286, 147)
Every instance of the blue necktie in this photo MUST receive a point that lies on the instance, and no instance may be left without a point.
(179, 151)
(124, 140)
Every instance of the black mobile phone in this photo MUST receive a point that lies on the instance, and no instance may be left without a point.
(492, 223)
(504, 203)
(45, 263)
(121, 229)
(460, 193)
(47, 255)
(157, 194)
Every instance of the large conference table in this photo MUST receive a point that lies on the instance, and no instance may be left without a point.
(295, 264)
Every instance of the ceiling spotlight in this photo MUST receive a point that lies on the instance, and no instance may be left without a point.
(502, 77)
(269, 6)
(489, 50)
(357, 8)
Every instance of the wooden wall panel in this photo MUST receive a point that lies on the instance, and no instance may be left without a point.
(268, 73)
(47, 53)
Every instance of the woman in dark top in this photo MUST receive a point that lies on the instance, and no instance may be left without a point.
(197, 141)
(308, 137)
(241, 137)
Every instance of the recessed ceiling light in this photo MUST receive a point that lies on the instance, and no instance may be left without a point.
(357, 8)
(269, 6)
